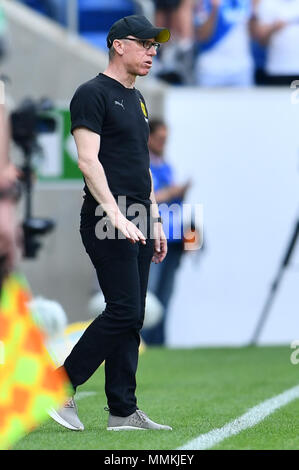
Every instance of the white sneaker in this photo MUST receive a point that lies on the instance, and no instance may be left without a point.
(67, 416)
(136, 421)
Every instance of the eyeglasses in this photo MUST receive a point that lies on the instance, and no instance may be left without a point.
(146, 44)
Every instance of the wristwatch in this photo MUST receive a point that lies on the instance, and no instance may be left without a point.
(158, 219)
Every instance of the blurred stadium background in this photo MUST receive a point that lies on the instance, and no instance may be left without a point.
(239, 144)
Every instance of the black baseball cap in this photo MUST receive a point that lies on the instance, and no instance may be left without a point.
(138, 26)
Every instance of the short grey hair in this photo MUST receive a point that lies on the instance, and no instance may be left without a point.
(111, 53)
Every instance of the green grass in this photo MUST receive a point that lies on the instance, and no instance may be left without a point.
(194, 391)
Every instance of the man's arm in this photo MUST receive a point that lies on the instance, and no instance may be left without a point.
(88, 146)
(8, 220)
(154, 206)
(3, 142)
(160, 239)
(8, 172)
(206, 29)
(175, 191)
(262, 32)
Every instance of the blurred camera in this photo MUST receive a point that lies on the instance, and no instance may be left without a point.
(27, 122)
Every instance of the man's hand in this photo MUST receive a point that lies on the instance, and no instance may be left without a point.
(160, 250)
(130, 231)
(278, 25)
(175, 191)
(185, 187)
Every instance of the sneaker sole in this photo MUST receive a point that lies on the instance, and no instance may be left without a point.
(54, 415)
(125, 428)
(132, 428)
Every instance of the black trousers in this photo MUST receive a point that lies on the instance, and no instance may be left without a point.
(122, 269)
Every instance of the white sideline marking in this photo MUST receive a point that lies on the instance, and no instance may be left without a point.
(247, 420)
(81, 395)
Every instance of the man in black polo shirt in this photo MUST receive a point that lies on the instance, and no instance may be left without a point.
(110, 127)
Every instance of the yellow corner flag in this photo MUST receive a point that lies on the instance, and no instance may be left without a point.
(29, 384)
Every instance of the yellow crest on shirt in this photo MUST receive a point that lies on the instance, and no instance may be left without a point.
(143, 108)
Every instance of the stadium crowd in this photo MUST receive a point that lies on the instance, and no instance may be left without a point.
(219, 42)
(230, 42)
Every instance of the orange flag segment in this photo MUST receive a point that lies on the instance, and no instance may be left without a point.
(29, 383)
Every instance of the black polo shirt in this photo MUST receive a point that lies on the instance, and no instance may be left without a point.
(119, 115)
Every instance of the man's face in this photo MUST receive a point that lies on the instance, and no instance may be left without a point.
(157, 140)
(138, 59)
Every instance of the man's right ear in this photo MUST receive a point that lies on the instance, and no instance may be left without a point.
(118, 46)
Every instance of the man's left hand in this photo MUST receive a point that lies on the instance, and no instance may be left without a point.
(160, 250)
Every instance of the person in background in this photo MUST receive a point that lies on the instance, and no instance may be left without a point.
(275, 24)
(9, 191)
(176, 61)
(162, 276)
(8, 197)
(222, 30)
